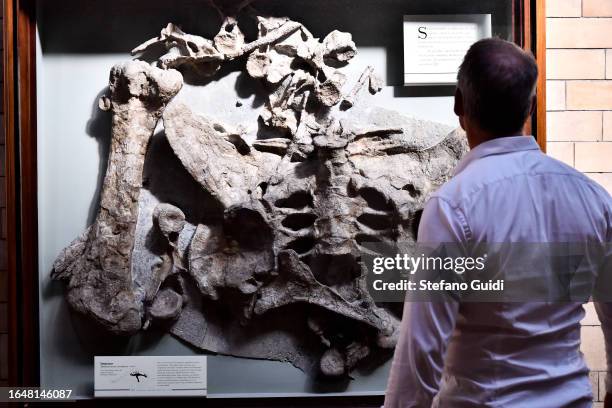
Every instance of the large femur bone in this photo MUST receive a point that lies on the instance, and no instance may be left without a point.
(97, 265)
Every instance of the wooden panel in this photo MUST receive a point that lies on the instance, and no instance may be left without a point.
(22, 236)
(540, 53)
(534, 40)
(11, 177)
(28, 217)
(527, 43)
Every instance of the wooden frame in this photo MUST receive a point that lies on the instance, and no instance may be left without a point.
(534, 21)
(19, 36)
(539, 47)
(19, 29)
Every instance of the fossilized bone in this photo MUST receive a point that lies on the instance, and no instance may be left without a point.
(229, 40)
(184, 49)
(368, 78)
(297, 284)
(286, 106)
(97, 265)
(272, 56)
(215, 156)
(165, 303)
(304, 223)
(297, 211)
(339, 47)
(170, 220)
(194, 50)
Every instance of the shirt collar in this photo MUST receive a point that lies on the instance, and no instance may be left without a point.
(500, 145)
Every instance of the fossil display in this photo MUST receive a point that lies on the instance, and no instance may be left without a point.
(273, 268)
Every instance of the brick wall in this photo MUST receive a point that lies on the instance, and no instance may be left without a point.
(579, 103)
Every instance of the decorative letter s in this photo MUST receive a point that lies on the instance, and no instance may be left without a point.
(422, 33)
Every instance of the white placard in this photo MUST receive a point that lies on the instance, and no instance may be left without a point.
(149, 376)
(434, 45)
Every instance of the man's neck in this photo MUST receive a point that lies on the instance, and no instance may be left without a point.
(478, 136)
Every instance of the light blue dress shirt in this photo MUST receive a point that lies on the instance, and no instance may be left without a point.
(453, 354)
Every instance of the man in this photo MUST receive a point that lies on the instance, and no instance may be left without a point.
(459, 354)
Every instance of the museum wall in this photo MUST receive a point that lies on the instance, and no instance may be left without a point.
(3, 249)
(579, 103)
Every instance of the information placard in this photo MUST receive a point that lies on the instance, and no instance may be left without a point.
(434, 45)
(149, 376)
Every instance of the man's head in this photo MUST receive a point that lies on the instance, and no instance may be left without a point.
(496, 90)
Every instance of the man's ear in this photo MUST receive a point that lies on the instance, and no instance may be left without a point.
(459, 109)
(534, 104)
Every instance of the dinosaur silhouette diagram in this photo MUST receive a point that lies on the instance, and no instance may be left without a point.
(138, 374)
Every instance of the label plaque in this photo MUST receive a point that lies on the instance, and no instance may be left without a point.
(434, 45)
(149, 376)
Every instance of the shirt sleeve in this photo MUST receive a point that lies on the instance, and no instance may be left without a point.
(426, 327)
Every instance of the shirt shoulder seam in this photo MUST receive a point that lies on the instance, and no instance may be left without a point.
(580, 177)
(463, 219)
